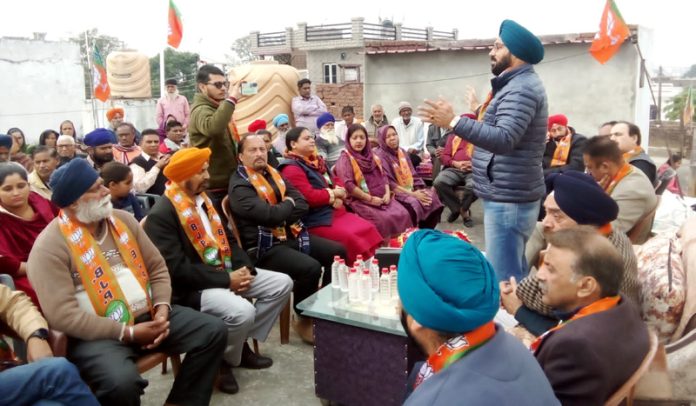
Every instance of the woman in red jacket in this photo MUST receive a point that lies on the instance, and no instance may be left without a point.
(327, 217)
(23, 215)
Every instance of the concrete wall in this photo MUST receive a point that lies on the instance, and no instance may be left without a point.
(140, 113)
(43, 84)
(317, 59)
(338, 96)
(576, 85)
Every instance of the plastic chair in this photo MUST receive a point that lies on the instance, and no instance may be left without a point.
(285, 314)
(627, 390)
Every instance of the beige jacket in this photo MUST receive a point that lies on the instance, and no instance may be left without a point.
(19, 313)
(635, 196)
(37, 185)
(54, 277)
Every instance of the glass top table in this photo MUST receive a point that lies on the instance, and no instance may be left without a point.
(331, 304)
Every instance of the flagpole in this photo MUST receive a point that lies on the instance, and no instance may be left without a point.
(90, 68)
(162, 87)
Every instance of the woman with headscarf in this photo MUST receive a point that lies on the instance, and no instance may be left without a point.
(19, 140)
(19, 150)
(367, 185)
(23, 214)
(327, 216)
(409, 189)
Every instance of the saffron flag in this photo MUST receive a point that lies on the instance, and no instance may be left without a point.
(175, 29)
(688, 113)
(612, 33)
(102, 91)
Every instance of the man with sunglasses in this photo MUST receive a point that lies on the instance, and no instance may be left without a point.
(211, 126)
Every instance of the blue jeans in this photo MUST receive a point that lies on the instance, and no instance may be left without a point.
(48, 381)
(508, 227)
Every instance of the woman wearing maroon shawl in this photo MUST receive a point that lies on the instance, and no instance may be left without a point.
(367, 184)
(23, 215)
(326, 217)
(409, 189)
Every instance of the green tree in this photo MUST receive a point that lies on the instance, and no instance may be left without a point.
(181, 66)
(675, 108)
(104, 43)
(242, 50)
(691, 73)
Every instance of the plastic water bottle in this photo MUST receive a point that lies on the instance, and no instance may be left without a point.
(342, 275)
(353, 294)
(374, 274)
(335, 267)
(384, 286)
(394, 293)
(365, 286)
(360, 259)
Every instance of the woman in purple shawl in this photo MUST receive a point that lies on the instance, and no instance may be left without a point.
(368, 187)
(409, 189)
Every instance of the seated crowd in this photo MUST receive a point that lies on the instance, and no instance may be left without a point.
(214, 229)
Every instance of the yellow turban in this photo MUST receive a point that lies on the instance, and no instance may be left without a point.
(185, 163)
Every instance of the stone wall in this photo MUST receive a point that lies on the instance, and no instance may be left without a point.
(336, 96)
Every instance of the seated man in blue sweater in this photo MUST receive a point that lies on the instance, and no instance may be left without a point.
(449, 301)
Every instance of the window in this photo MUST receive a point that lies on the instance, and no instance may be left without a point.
(330, 73)
(351, 74)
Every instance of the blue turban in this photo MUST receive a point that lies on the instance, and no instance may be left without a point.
(98, 137)
(581, 198)
(325, 118)
(280, 119)
(521, 42)
(70, 181)
(446, 284)
(5, 141)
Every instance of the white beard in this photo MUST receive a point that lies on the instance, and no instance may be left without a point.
(329, 136)
(172, 96)
(94, 210)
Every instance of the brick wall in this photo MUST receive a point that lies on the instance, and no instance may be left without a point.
(335, 96)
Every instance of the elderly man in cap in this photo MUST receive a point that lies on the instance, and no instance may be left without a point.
(172, 104)
(411, 132)
(509, 138)
(101, 281)
(329, 143)
(210, 272)
(449, 296)
(563, 148)
(307, 107)
(5, 147)
(574, 199)
(115, 117)
(282, 123)
(600, 340)
(100, 148)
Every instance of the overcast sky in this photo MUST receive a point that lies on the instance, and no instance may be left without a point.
(211, 26)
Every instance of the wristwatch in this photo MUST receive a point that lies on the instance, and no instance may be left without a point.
(41, 334)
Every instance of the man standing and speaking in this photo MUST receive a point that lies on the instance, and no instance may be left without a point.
(509, 138)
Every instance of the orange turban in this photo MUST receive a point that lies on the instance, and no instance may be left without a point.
(185, 163)
(111, 113)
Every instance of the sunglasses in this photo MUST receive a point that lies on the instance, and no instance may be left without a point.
(219, 85)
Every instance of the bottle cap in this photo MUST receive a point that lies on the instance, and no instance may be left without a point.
(385, 270)
(353, 270)
(359, 257)
(375, 261)
(366, 271)
(337, 257)
(341, 261)
(392, 268)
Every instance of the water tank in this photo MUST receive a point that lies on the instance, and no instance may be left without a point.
(128, 73)
(277, 86)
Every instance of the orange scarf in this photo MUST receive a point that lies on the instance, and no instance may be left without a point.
(214, 252)
(456, 142)
(560, 155)
(599, 306)
(233, 130)
(357, 173)
(265, 192)
(453, 350)
(404, 177)
(96, 275)
(484, 107)
(625, 170)
(634, 152)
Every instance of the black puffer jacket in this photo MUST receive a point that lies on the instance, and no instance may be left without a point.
(510, 140)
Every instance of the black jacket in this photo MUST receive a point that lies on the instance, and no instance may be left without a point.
(250, 211)
(188, 272)
(575, 161)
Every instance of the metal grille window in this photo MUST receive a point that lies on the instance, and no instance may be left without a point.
(330, 73)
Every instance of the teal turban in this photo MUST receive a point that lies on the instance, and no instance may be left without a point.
(446, 284)
(521, 42)
(280, 119)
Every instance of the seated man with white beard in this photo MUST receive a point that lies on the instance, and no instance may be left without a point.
(329, 143)
(101, 281)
